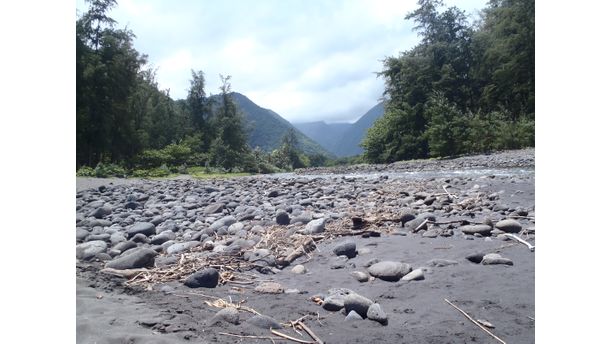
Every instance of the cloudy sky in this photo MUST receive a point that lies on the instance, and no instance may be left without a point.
(307, 60)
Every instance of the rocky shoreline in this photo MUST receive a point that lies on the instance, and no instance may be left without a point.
(357, 254)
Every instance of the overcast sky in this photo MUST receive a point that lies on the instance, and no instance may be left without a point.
(307, 60)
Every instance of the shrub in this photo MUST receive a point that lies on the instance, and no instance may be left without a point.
(86, 171)
(109, 170)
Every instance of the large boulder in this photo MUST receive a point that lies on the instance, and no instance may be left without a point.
(90, 249)
(146, 228)
(509, 226)
(208, 278)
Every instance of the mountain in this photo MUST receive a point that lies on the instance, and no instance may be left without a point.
(348, 145)
(266, 128)
(342, 139)
(326, 135)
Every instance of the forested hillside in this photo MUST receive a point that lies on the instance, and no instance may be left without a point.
(464, 88)
(126, 125)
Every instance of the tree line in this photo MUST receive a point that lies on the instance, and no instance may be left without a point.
(465, 88)
(126, 125)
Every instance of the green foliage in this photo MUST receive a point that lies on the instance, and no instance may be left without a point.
(463, 89)
(103, 170)
(86, 171)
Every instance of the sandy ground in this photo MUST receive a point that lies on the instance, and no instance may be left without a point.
(109, 312)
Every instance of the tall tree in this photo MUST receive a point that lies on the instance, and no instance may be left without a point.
(200, 110)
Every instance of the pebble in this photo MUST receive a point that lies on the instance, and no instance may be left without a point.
(270, 288)
(347, 248)
(476, 229)
(298, 269)
(414, 275)
(360, 276)
(357, 303)
(441, 262)
(352, 316)
(265, 322)
(495, 259)
(376, 313)
(314, 227)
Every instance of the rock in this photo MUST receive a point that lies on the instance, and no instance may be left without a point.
(116, 238)
(228, 314)
(347, 248)
(357, 303)
(376, 313)
(124, 246)
(181, 247)
(260, 255)
(140, 238)
(146, 228)
(270, 288)
(141, 258)
(81, 234)
(406, 217)
(432, 232)
(298, 269)
(101, 212)
(273, 193)
(475, 257)
(442, 262)
(509, 226)
(476, 229)
(213, 208)
(495, 259)
(314, 227)
(339, 262)
(419, 220)
(90, 249)
(389, 270)
(414, 275)
(207, 277)
(360, 276)
(282, 218)
(163, 237)
(352, 316)
(333, 302)
(265, 322)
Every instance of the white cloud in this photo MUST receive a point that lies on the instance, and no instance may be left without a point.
(306, 60)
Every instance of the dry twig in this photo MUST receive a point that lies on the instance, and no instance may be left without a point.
(475, 322)
(245, 336)
(310, 332)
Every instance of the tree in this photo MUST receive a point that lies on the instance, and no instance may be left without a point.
(230, 144)
(200, 110)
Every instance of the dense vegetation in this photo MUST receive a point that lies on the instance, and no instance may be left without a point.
(126, 125)
(465, 88)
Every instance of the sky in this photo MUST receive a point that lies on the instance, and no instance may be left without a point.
(306, 60)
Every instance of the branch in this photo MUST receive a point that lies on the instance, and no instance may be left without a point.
(280, 334)
(474, 321)
(530, 246)
(310, 332)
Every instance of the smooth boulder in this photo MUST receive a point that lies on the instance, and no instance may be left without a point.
(389, 270)
(146, 228)
(207, 278)
(140, 258)
(509, 226)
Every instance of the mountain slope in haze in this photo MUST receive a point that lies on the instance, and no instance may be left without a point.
(348, 145)
(326, 135)
(342, 139)
(265, 128)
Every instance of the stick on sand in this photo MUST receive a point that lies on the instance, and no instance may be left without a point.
(475, 322)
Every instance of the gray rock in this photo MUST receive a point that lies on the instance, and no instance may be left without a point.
(116, 238)
(140, 238)
(360, 276)
(81, 234)
(314, 227)
(357, 303)
(389, 270)
(419, 220)
(265, 322)
(229, 315)
(181, 247)
(214, 208)
(509, 226)
(282, 218)
(475, 257)
(432, 232)
(414, 275)
(163, 237)
(476, 229)
(339, 262)
(101, 212)
(352, 316)
(298, 269)
(260, 255)
(208, 278)
(496, 259)
(140, 258)
(146, 228)
(441, 262)
(90, 249)
(376, 313)
(124, 246)
(406, 217)
(270, 288)
(347, 248)
(334, 302)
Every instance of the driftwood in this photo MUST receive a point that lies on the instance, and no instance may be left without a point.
(280, 334)
(529, 246)
(310, 332)
(475, 322)
(127, 273)
(246, 336)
